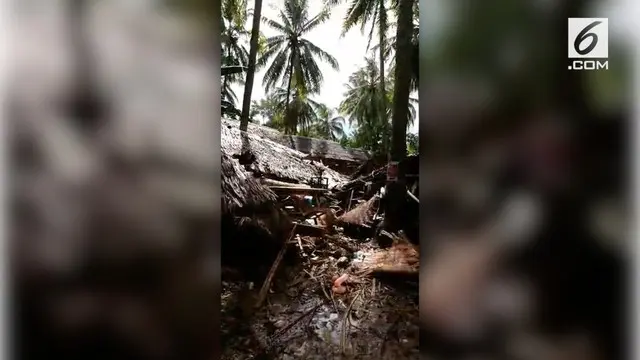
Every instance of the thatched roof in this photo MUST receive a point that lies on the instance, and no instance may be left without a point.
(319, 148)
(240, 190)
(273, 159)
(362, 214)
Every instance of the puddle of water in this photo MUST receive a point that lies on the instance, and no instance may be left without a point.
(327, 324)
(382, 327)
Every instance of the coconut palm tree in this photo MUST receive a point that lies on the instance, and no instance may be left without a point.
(251, 66)
(362, 93)
(292, 57)
(373, 12)
(329, 126)
(298, 106)
(360, 105)
(268, 110)
(396, 189)
(233, 40)
(391, 43)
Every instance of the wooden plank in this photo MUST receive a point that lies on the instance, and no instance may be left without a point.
(297, 190)
(413, 196)
(271, 182)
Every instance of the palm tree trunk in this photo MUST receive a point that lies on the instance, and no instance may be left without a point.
(251, 71)
(396, 191)
(225, 81)
(287, 113)
(224, 86)
(383, 101)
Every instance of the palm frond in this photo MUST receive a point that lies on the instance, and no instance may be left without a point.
(323, 55)
(317, 20)
(275, 25)
(276, 70)
(359, 12)
(294, 60)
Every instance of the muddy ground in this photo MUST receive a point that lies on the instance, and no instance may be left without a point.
(302, 318)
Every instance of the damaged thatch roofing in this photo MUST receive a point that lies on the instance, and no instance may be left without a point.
(240, 190)
(273, 159)
(362, 214)
(315, 147)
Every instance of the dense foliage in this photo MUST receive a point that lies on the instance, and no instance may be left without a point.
(292, 77)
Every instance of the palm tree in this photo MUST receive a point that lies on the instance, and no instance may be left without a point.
(389, 49)
(292, 56)
(234, 52)
(267, 110)
(374, 12)
(251, 68)
(402, 89)
(361, 106)
(299, 106)
(362, 88)
(329, 126)
(276, 123)
(412, 112)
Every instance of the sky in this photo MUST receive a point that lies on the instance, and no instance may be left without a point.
(349, 51)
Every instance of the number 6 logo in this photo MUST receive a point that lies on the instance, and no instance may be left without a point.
(588, 38)
(584, 35)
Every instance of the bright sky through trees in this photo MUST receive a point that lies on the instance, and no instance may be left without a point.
(349, 50)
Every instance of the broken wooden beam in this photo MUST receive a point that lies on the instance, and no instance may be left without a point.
(396, 273)
(297, 190)
(413, 196)
(271, 182)
(264, 290)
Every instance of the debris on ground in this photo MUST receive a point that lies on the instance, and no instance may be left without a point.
(321, 284)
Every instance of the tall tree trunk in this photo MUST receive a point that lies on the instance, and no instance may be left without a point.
(396, 191)
(287, 111)
(224, 87)
(251, 71)
(225, 82)
(383, 101)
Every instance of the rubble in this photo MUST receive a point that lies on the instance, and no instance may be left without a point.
(340, 286)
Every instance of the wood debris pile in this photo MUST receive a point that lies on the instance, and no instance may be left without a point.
(348, 213)
(343, 260)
